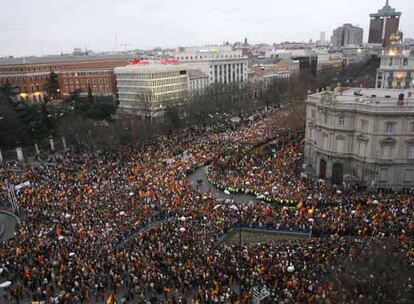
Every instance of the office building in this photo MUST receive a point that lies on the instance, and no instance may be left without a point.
(222, 64)
(361, 136)
(347, 35)
(148, 90)
(384, 23)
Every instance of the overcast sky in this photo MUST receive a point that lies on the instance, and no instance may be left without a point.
(39, 27)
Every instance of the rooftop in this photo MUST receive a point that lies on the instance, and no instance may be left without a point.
(386, 11)
(147, 68)
(63, 58)
(377, 98)
(196, 74)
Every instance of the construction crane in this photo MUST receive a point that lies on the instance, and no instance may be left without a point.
(125, 45)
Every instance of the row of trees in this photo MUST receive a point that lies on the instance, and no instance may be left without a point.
(82, 119)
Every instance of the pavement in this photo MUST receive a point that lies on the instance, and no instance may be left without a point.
(9, 223)
(205, 187)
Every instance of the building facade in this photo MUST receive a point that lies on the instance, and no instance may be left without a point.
(361, 136)
(396, 70)
(347, 35)
(31, 75)
(222, 64)
(149, 90)
(383, 24)
(328, 59)
(197, 81)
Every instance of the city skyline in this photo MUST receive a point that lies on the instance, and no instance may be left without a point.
(104, 24)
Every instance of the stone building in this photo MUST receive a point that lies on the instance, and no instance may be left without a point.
(30, 75)
(221, 64)
(396, 70)
(361, 136)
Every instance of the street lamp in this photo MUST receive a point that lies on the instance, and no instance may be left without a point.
(4, 286)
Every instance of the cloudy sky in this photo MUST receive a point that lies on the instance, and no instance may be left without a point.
(39, 27)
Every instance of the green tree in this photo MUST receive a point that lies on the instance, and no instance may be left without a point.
(90, 96)
(8, 92)
(52, 86)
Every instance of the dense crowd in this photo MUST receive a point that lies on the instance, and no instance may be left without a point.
(126, 225)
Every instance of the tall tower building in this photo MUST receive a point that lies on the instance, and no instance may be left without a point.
(383, 24)
(347, 35)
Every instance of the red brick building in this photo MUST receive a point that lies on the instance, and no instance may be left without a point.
(31, 75)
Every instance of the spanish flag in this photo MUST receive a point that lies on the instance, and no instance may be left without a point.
(110, 299)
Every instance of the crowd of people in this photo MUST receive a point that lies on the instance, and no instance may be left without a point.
(126, 226)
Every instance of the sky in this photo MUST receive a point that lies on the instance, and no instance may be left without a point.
(29, 27)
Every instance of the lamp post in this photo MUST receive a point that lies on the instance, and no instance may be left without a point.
(3, 286)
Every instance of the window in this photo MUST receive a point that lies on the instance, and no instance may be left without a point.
(364, 125)
(411, 152)
(325, 142)
(341, 121)
(409, 175)
(389, 127)
(412, 127)
(383, 174)
(362, 146)
(325, 118)
(387, 151)
(313, 113)
(311, 133)
(340, 144)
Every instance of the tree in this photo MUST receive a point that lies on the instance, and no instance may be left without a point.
(377, 273)
(90, 96)
(173, 117)
(52, 86)
(75, 95)
(8, 92)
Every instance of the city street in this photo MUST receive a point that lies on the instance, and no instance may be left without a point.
(9, 224)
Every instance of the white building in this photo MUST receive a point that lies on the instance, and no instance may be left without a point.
(327, 59)
(222, 64)
(363, 136)
(148, 90)
(397, 68)
(198, 81)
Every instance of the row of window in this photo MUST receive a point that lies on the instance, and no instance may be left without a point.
(389, 127)
(221, 56)
(147, 75)
(77, 74)
(86, 81)
(398, 61)
(387, 150)
(94, 88)
(151, 83)
(34, 68)
(384, 175)
(24, 79)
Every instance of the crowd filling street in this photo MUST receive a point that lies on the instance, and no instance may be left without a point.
(125, 225)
